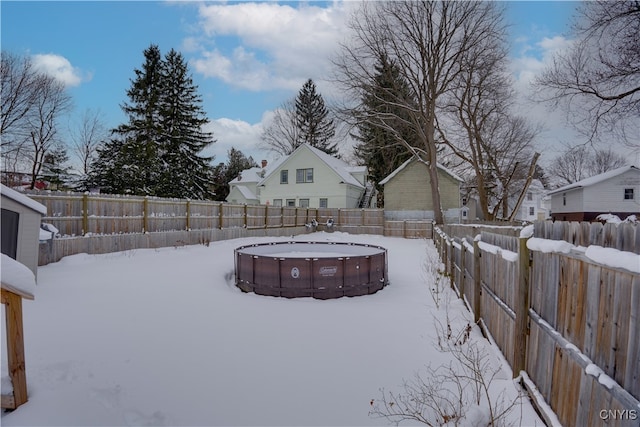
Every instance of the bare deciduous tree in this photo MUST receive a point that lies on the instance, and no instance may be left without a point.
(428, 41)
(87, 135)
(32, 104)
(42, 125)
(597, 80)
(21, 86)
(574, 164)
(282, 134)
(479, 127)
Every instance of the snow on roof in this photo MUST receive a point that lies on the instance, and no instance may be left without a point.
(342, 168)
(246, 193)
(17, 277)
(405, 164)
(23, 200)
(595, 179)
(339, 166)
(250, 175)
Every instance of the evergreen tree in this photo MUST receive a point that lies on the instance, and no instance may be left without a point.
(158, 151)
(224, 173)
(186, 173)
(54, 167)
(379, 148)
(312, 118)
(142, 134)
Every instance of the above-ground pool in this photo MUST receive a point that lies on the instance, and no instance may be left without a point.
(320, 270)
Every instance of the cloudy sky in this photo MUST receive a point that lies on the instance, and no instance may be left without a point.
(247, 58)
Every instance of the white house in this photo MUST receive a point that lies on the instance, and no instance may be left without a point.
(535, 205)
(244, 187)
(308, 177)
(615, 192)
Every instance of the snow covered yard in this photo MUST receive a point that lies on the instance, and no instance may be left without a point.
(163, 337)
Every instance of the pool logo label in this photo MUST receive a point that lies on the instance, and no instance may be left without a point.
(328, 271)
(295, 273)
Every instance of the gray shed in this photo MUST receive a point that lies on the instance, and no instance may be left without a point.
(20, 221)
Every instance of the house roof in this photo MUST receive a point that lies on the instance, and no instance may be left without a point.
(405, 164)
(340, 167)
(249, 175)
(23, 200)
(595, 179)
(246, 193)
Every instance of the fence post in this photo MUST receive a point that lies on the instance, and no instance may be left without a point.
(463, 271)
(188, 215)
(85, 213)
(266, 215)
(145, 214)
(477, 281)
(246, 223)
(452, 265)
(521, 309)
(220, 220)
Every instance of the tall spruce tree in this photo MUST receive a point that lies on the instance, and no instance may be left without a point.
(379, 147)
(312, 118)
(186, 173)
(158, 151)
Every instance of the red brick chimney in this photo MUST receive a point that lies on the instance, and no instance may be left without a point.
(264, 164)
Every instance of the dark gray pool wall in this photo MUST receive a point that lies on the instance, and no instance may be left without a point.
(362, 270)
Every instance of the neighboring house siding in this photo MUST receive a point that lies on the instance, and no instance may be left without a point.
(610, 193)
(573, 201)
(28, 233)
(326, 184)
(596, 195)
(410, 189)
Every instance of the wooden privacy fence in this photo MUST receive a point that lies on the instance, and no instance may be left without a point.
(570, 323)
(97, 224)
(78, 214)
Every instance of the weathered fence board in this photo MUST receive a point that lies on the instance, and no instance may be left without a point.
(583, 316)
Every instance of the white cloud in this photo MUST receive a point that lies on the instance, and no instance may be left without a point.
(237, 134)
(281, 45)
(60, 68)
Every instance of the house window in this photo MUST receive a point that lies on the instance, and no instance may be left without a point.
(464, 213)
(529, 195)
(304, 203)
(291, 203)
(284, 177)
(628, 193)
(324, 203)
(532, 211)
(277, 202)
(564, 199)
(304, 175)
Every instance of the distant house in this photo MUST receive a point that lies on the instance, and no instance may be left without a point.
(20, 221)
(244, 188)
(308, 177)
(615, 192)
(535, 205)
(407, 192)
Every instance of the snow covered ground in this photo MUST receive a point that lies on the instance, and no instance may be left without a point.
(163, 337)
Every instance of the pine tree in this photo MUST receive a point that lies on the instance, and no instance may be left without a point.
(158, 151)
(312, 118)
(378, 148)
(224, 173)
(55, 168)
(141, 135)
(186, 173)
